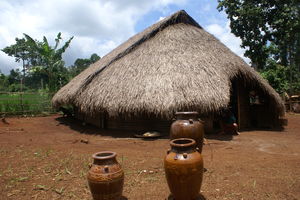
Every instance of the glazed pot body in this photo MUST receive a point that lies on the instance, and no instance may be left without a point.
(184, 169)
(105, 177)
(188, 125)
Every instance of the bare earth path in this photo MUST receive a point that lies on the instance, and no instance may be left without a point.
(44, 158)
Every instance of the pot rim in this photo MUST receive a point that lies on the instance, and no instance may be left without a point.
(187, 113)
(106, 155)
(191, 142)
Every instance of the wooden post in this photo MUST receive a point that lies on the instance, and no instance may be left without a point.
(238, 106)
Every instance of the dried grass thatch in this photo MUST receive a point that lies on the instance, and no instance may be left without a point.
(172, 65)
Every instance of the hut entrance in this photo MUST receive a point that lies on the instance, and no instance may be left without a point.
(233, 104)
(239, 103)
(213, 123)
(251, 106)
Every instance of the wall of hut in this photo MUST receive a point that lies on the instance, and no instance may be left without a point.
(249, 115)
(137, 125)
(243, 106)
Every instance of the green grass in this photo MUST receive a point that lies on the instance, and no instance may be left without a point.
(24, 103)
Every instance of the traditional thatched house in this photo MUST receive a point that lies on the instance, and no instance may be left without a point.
(174, 65)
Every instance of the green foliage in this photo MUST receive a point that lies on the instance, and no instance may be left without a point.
(81, 64)
(282, 78)
(21, 103)
(277, 77)
(294, 76)
(36, 78)
(14, 77)
(43, 67)
(270, 33)
(48, 58)
(44, 72)
(3, 82)
(22, 51)
(261, 23)
(16, 87)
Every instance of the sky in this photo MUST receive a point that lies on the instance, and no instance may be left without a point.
(98, 26)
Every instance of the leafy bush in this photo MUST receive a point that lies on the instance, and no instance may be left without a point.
(282, 78)
(16, 87)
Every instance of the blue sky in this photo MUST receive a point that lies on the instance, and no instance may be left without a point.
(98, 26)
(203, 11)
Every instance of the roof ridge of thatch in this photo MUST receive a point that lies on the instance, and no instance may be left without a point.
(180, 16)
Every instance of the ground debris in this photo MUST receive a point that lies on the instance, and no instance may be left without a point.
(86, 141)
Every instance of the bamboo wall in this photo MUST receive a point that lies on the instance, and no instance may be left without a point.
(138, 125)
(243, 106)
(247, 116)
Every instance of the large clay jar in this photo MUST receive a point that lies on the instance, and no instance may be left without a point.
(184, 169)
(188, 125)
(106, 177)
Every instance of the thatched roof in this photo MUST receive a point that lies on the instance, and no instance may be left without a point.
(172, 65)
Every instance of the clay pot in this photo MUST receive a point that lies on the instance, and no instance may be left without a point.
(184, 169)
(106, 177)
(188, 125)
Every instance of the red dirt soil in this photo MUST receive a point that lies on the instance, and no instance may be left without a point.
(48, 157)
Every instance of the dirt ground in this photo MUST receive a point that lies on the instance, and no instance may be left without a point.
(44, 158)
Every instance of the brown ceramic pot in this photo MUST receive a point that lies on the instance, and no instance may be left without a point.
(106, 177)
(184, 169)
(188, 125)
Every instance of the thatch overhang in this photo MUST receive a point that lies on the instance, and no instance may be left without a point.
(173, 65)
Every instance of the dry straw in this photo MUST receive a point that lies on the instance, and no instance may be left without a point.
(172, 65)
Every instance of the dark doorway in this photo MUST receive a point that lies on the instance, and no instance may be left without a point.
(233, 104)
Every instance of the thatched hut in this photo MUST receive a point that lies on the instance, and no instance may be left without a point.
(174, 65)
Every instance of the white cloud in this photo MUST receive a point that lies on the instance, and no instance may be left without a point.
(97, 25)
(215, 29)
(7, 63)
(225, 36)
(160, 18)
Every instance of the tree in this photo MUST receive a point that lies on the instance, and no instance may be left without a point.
(270, 33)
(50, 59)
(3, 82)
(277, 76)
(259, 23)
(81, 64)
(35, 53)
(22, 52)
(36, 78)
(14, 80)
(14, 76)
(94, 58)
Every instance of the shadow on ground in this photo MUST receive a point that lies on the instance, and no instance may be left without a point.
(228, 137)
(223, 137)
(200, 197)
(89, 129)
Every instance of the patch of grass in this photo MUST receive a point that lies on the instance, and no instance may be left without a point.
(3, 151)
(41, 187)
(59, 191)
(25, 103)
(22, 179)
(151, 179)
